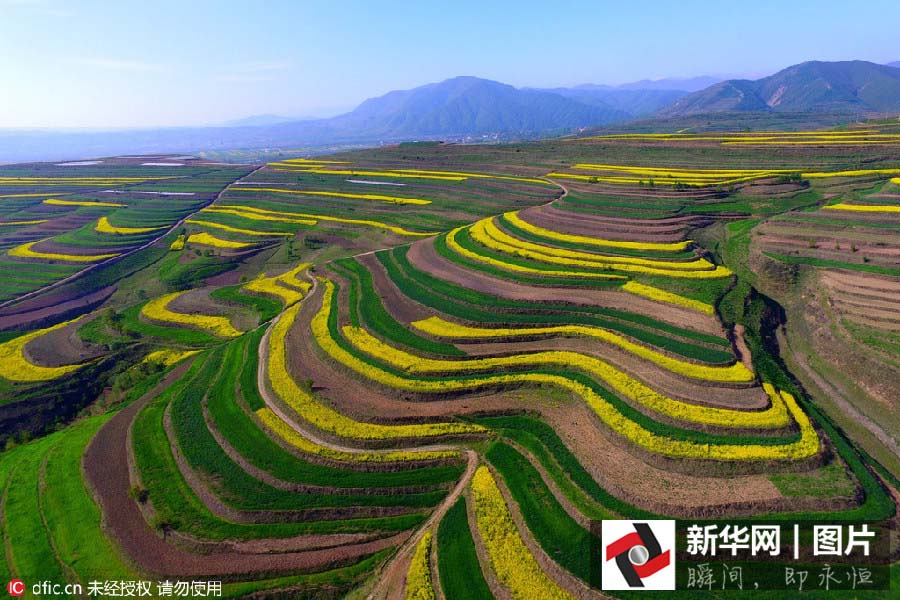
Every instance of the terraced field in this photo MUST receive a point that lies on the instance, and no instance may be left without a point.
(422, 371)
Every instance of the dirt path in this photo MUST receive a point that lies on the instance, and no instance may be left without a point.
(394, 574)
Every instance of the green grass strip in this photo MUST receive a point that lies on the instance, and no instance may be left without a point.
(377, 318)
(460, 573)
(478, 307)
(561, 537)
(235, 486)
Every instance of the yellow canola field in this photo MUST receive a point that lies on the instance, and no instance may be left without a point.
(888, 208)
(206, 239)
(15, 367)
(178, 243)
(733, 373)
(392, 174)
(249, 212)
(25, 251)
(104, 226)
(258, 214)
(517, 570)
(168, 357)
(323, 416)
(821, 141)
(454, 245)
(475, 175)
(31, 222)
(679, 173)
(71, 179)
(230, 229)
(377, 197)
(58, 202)
(418, 576)
(489, 228)
(857, 173)
(489, 235)
(654, 293)
(293, 437)
(311, 161)
(515, 219)
(805, 447)
(286, 287)
(157, 310)
(773, 417)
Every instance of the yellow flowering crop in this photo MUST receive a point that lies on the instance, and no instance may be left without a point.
(178, 243)
(378, 197)
(258, 214)
(515, 219)
(25, 251)
(475, 175)
(168, 357)
(857, 173)
(316, 161)
(488, 235)
(230, 229)
(157, 310)
(7, 180)
(249, 212)
(418, 577)
(454, 245)
(32, 222)
(805, 447)
(773, 417)
(15, 367)
(104, 226)
(654, 293)
(286, 287)
(394, 174)
(516, 568)
(487, 228)
(322, 416)
(736, 372)
(206, 239)
(889, 208)
(291, 436)
(57, 202)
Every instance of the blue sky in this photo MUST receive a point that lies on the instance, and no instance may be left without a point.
(129, 63)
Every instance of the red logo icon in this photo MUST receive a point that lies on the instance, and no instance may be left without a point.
(16, 587)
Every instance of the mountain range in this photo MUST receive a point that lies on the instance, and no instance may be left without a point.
(821, 87)
(473, 109)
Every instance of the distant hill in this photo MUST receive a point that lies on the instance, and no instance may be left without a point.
(456, 109)
(633, 102)
(895, 64)
(472, 106)
(260, 120)
(690, 84)
(821, 87)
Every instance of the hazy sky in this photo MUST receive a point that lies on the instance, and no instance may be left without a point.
(148, 63)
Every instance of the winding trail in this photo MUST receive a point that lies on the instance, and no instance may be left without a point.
(394, 572)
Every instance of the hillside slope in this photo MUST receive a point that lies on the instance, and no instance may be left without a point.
(822, 87)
